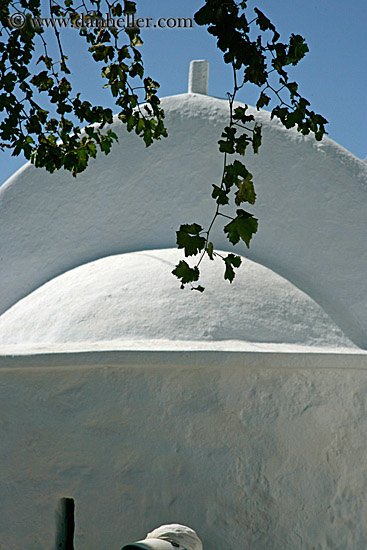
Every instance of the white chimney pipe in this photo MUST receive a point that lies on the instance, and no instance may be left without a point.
(198, 77)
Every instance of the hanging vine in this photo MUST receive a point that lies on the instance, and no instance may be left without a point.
(260, 61)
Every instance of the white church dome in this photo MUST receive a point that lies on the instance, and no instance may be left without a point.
(132, 299)
(311, 206)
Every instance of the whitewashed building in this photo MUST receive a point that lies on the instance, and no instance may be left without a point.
(240, 412)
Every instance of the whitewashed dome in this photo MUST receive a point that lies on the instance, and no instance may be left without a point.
(131, 298)
(311, 205)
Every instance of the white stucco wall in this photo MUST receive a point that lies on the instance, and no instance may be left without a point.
(258, 451)
(312, 202)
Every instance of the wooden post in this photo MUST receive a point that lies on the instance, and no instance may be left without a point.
(65, 524)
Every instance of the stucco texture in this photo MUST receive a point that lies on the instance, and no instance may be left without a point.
(249, 455)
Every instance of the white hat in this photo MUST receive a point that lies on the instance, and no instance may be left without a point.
(169, 537)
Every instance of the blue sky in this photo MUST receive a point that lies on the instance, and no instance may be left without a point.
(333, 76)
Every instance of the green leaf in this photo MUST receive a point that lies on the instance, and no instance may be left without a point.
(210, 250)
(231, 261)
(137, 69)
(140, 125)
(237, 169)
(292, 87)
(233, 172)
(256, 72)
(186, 273)
(220, 195)
(199, 288)
(112, 135)
(47, 61)
(242, 227)
(262, 101)
(116, 11)
(192, 228)
(204, 16)
(226, 147)
(189, 239)
(129, 7)
(240, 114)
(246, 191)
(263, 22)
(137, 41)
(256, 140)
(229, 133)
(297, 49)
(148, 136)
(241, 144)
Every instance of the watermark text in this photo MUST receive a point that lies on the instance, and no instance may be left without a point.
(19, 20)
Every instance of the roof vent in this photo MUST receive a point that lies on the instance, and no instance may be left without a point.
(198, 77)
